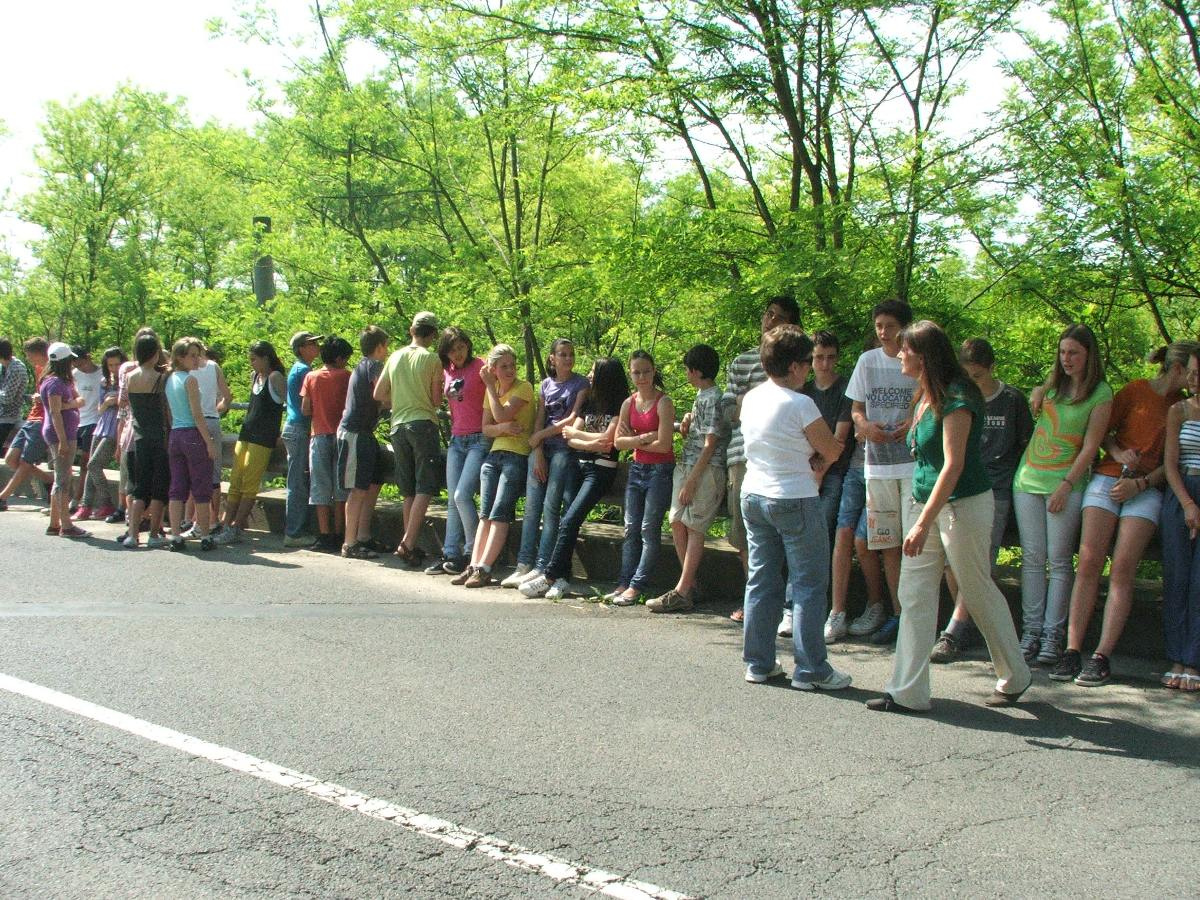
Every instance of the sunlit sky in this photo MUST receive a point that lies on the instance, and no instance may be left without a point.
(65, 50)
(60, 50)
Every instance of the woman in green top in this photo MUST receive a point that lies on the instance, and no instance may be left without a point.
(948, 521)
(1048, 488)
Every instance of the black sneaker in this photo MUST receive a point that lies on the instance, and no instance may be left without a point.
(1095, 673)
(379, 546)
(3, 506)
(117, 518)
(1069, 665)
(454, 566)
(438, 567)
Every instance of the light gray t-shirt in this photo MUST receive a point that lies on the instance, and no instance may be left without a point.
(887, 394)
(708, 417)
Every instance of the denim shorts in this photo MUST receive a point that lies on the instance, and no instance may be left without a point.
(323, 486)
(501, 483)
(852, 511)
(1146, 505)
(30, 442)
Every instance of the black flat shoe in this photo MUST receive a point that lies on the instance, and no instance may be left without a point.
(887, 704)
(1000, 699)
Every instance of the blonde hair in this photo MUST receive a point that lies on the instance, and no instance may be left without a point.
(498, 351)
(1176, 352)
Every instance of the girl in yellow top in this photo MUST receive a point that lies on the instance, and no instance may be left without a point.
(508, 420)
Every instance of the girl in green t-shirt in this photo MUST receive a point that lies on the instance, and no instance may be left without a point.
(1048, 488)
(948, 521)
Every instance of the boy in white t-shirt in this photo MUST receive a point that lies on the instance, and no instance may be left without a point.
(87, 376)
(882, 397)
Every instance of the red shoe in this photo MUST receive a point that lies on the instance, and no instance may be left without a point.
(83, 513)
(103, 513)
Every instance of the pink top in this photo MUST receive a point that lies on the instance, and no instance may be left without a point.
(466, 406)
(641, 422)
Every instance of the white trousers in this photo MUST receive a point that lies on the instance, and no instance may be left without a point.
(960, 538)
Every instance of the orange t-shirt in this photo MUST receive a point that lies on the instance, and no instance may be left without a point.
(327, 389)
(1139, 422)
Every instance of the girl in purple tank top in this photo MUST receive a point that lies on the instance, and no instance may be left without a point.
(647, 428)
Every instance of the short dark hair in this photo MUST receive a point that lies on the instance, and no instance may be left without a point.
(423, 331)
(36, 345)
(5, 348)
(977, 351)
(451, 336)
(788, 304)
(782, 346)
(703, 359)
(370, 338)
(897, 309)
(335, 348)
(827, 339)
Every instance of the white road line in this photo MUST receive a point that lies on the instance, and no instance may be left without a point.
(495, 848)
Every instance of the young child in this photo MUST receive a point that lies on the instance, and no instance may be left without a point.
(362, 465)
(323, 396)
(699, 482)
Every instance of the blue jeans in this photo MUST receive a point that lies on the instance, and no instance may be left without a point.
(501, 480)
(464, 460)
(790, 531)
(1047, 537)
(647, 498)
(594, 482)
(1181, 580)
(831, 498)
(295, 441)
(544, 502)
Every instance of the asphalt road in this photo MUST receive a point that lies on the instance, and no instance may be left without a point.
(607, 737)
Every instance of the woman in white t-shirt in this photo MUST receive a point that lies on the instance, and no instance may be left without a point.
(781, 506)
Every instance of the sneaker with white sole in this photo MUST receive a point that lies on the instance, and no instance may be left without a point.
(535, 587)
(869, 622)
(785, 625)
(835, 627)
(517, 576)
(227, 536)
(558, 590)
(834, 681)
(755, 678)
(671, 601)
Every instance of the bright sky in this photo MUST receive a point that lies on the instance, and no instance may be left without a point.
(64, 49)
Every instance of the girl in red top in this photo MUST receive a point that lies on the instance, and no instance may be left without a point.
(647, 428)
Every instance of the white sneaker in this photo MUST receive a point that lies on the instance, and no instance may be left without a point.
(558, 589)
(869, 622)
(785, 626)
(517, 576)
(836, 681)
(153, 543)
(835, 627)
(762, 679)
(531, 574)
(535, 587)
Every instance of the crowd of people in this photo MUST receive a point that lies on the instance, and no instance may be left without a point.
(913, 464)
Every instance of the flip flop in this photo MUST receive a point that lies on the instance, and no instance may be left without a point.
(73, 531)
(738, 615)
(1171, 679)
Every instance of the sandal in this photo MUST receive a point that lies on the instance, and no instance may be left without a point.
(52, 530)
(1171, 680)
(1189, 683)
(738, 615)
(73, 531)
(358, 550)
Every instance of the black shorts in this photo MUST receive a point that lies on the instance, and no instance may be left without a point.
(419, 466)
(362, 461)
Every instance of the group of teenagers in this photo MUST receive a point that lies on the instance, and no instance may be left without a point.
(913, 464)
